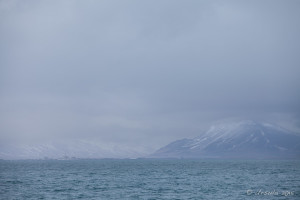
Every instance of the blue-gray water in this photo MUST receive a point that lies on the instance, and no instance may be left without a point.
(149, 179)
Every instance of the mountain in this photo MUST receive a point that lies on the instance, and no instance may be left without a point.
(244, 139)
(67, 149)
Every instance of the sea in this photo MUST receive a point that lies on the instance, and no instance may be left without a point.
(150, 179)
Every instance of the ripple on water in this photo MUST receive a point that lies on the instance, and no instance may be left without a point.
(148, 179)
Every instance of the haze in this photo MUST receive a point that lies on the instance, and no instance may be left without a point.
(140, 74)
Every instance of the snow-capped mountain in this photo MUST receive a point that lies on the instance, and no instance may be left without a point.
(245, 139)
(69, 149)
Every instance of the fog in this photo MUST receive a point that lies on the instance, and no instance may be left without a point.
(140, 74)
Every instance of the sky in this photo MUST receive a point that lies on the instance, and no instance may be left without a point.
(141, 74)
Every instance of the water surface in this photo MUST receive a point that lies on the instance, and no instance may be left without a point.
(149, 179)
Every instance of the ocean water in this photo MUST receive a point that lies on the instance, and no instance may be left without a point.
(149, 179)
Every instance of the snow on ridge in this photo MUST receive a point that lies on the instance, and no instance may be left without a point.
(225, 132)
(227, 129)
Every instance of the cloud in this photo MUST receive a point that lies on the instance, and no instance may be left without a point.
(144, 72)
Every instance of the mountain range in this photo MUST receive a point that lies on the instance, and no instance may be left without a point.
(244, 139)
(68, 149)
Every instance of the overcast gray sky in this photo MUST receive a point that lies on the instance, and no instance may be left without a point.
(145, 73)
